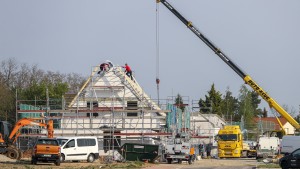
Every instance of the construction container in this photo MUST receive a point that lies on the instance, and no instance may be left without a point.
(139, 152)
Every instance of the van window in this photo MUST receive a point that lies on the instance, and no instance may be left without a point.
(86, 142)
(70, 144)
(62, 141)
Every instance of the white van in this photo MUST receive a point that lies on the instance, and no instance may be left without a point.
(267, 147)
(78, 148)
(289, 144)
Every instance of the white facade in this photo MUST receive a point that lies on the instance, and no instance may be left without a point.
(289, 129)
(206, 124)
(111, 105)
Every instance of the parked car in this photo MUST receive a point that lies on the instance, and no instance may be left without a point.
(46, 150)
(291, 160)
(79, 148)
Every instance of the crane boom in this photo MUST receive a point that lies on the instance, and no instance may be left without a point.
(272, 103)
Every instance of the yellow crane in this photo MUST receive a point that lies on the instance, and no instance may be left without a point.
(248, 80)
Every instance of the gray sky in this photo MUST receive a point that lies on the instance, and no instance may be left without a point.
(261, 37)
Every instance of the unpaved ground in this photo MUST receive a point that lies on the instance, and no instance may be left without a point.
(6, 163)
(209, 163)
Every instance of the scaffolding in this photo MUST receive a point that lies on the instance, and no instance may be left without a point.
(110, 106)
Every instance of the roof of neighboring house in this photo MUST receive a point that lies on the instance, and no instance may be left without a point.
(272, 119)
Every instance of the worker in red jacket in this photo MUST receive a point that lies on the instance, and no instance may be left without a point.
(128, 70)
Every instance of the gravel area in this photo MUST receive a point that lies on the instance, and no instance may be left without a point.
(7, 163)
(3, 158)
(237, 163)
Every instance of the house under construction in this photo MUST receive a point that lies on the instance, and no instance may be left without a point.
(111, 106)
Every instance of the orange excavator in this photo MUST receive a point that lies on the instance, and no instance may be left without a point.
(7, 145)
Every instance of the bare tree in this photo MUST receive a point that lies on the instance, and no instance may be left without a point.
(75, 81)
(22, 80)
(8, 71)
(53, 77)
(36, 75)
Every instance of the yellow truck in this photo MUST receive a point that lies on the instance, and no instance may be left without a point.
(230, 143)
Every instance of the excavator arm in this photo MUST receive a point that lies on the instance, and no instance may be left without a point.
(12, 151)
(272, 103)
(29, 122)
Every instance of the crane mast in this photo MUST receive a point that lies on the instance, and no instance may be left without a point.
(272, 103)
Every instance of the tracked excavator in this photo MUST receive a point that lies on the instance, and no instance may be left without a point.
(7, 143)
(248, 80)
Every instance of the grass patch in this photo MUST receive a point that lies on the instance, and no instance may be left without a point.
(268, 166)
(126, 165)
(28, 167)
(90, 167)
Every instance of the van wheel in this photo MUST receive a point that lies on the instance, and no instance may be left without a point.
(91, 158)
(62, 158)
(57, 162)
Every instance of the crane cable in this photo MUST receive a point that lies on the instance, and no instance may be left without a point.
(157, 50)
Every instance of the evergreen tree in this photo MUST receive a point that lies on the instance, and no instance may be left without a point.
(229, 104)
(212, 102)
(265, 112)
(179, 102)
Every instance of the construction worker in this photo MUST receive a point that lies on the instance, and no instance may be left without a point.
(208, 150)
(105, 66)
(128, 70)
(201, 150)
(192, 153)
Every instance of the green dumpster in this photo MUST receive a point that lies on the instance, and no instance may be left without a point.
(139, 152)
